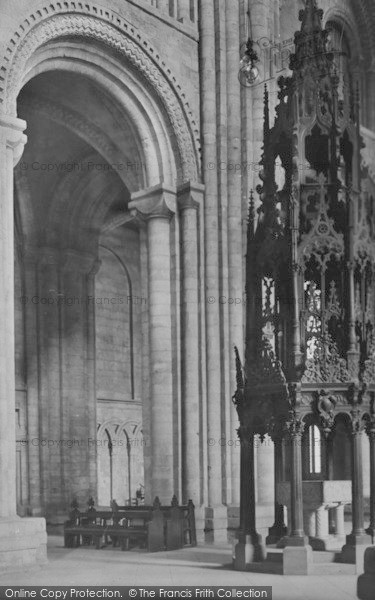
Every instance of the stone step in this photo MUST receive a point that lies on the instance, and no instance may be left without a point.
(275, 555)
(332, 569)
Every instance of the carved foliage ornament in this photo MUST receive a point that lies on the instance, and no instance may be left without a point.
(367, 374)
(268, 368)
(325, 365)
(326, 408)
(294, 425)
(357, 420)
(322, 242)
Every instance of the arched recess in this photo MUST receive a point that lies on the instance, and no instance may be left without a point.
(46, 41)
(122, 303)
(356, 23)
(120, 461)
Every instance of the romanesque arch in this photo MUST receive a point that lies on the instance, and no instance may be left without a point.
(30, 52)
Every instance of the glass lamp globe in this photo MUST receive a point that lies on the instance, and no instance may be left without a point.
(248, 73)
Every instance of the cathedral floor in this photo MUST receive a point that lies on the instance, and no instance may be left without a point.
(202, 566)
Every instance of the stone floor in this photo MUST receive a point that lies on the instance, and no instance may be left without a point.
(202, 566)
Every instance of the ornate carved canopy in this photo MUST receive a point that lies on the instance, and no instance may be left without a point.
(310, 339)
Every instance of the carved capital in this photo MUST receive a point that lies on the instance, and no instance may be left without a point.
(295, 425)
(12, 136)
(370, 430)
(357, 421)
(190, 195)
(158, 202)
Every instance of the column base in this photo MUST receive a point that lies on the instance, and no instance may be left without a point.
(297, 560)
(216, 524)
(276, 533)
(249, 549)
(354, 550)
(23, 542)
(317, 543)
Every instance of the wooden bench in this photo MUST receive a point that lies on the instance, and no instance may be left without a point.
(153, 527)
(98, 526)
(179, 522)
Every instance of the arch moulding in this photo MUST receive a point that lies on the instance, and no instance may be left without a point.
(86, 20)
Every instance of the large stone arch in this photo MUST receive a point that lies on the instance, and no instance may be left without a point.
(55, 21)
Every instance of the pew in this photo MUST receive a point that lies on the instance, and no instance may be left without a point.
(153, 527)
(175, 512)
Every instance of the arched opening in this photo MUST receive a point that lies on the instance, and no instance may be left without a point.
(97, 133)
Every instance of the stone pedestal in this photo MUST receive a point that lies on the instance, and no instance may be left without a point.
(366, 581)
(354, 550)
(297, 560)
(216, 524)
(23, 542)
(249, 549)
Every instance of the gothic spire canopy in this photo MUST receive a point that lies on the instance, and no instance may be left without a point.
(310, 282)
(311, 258)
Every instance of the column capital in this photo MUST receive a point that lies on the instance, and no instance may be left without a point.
(190, 195)
(155, 202)
(11, 133)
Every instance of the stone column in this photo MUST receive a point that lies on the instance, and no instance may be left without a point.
(357, 540)
(322, 529)
(297, 558)
(216, 512)
(190, 197)
(157, 206)
(249, 547)
(278, 529)
(339, 520)
(32, 377)
(297, 536)
(235, 242)
(309, 519)
(371, 434)
(22, 541)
